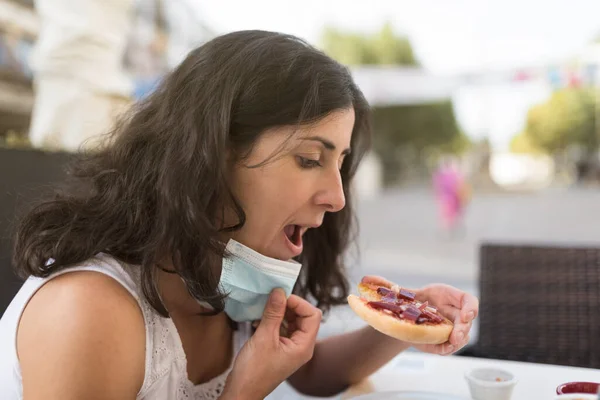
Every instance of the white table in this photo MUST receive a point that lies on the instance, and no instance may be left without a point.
(425, 372)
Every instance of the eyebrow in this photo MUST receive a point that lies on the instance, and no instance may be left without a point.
(326, 143)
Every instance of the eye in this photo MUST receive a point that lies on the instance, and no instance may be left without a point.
(308, 163)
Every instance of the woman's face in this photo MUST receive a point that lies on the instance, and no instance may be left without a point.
(292, 191)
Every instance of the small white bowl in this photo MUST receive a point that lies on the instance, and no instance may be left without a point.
(490, 383)
(576, 396)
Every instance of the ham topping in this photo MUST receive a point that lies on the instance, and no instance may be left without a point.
(402, 305)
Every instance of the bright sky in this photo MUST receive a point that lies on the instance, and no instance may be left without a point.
(448, 35)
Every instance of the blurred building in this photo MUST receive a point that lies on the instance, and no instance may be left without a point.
(131, 59)
(160, 38)
(396, 88)
(389, 86)
(18, 29)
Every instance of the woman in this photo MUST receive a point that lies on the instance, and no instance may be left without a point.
(240, 162)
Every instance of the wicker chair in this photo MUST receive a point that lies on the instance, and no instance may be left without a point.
(539, 304)
(24, 174)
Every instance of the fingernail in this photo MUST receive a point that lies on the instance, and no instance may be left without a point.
(450, 348)
(471, 315)
(461, 337)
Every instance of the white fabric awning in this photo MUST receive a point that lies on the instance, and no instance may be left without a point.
(17, 18)
(397, 85)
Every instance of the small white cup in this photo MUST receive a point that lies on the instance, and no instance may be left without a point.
(490, 383)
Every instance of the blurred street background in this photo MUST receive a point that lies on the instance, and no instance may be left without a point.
(501, 95)
(486, 114)
(401, 239)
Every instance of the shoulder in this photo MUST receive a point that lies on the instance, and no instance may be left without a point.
(82, 333)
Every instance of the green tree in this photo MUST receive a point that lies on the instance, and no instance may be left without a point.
(405, 135)
(382, 48)
(567, 118)
(522, 144)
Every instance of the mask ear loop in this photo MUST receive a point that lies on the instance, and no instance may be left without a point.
(232, 324)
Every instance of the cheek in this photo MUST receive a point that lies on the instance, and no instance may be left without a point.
(260, 194)
(275, 198)
(274, 192)
(290, 190)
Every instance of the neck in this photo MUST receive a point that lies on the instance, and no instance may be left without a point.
(203, 337)
(176, 297)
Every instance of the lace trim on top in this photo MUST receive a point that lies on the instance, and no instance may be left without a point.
(167, 357)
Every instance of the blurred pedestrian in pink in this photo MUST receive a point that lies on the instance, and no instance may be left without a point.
(452, 193)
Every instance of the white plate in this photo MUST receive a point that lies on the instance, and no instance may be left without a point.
(408, 396)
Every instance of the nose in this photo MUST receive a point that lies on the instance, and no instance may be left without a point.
(331, 196)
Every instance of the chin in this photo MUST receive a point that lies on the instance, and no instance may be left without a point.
(278, 254)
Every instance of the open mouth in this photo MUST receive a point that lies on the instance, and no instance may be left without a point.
(294, 234)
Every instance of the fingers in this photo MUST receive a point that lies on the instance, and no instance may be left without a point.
(307, 318)
(463, 319)
(469, 308)
(460, 307)
(465, 302)
(273, 313)
(301, 307)
(450, 348)
(299, 318)
(447, 348)
(466, 342)
(443, 349)
(460, 333)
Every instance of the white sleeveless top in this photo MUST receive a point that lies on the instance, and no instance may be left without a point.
(165, 374)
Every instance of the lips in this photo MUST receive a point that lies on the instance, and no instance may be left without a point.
(289, 231)
(293, 237)
(294, 234)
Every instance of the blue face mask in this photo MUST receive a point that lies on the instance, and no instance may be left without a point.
(249, 277)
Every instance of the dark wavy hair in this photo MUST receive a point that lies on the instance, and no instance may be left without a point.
(158, 186)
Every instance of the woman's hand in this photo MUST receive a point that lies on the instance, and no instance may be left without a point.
(268, 358)
(459, 307)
